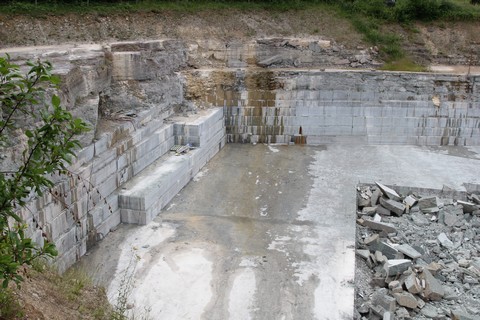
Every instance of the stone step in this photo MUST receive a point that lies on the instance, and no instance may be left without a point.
(143, 197)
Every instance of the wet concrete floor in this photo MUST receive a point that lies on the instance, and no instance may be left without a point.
(263, 232)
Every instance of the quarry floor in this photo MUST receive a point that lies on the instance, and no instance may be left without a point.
(264, 232)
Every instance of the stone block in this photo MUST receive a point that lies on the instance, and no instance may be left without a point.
(386, 249)
(468, 207)
(362, 202)
(410, 201)
(383, 211)
(434, 267)
(379, 226)
(402, 313)
(372, 240)
(445, 241)
(383, 299)
(365, 254)
(406, 299)
(396, 267)
(433, 288)
(388, 192)
(376, 194)
(429, 311)
(428, 204)
(388, 316)
(369, 211)
(476, 198)
(409, 251)
(392, 205)
(412, 283)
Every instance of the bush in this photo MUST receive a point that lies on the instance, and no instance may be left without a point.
(50, 140)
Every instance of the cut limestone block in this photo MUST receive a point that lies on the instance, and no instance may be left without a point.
(383, 211)
(468, 207)
(428, 204)
(406, 299)
(409, 251)
(380, 226)
(412, 284)
(392, 205)
(390, 193)
(396, 266)
(410, 201)
(433, 288)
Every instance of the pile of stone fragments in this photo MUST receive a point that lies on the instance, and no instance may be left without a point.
(420, 255)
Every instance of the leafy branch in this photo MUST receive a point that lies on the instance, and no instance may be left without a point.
(50, 133)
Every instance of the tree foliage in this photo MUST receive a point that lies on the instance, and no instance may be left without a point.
(48, 132)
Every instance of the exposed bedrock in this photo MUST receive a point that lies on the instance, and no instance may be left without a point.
(142, 98)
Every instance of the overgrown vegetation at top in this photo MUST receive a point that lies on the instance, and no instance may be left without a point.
(367, 16)
(402, 11)
(44, 134)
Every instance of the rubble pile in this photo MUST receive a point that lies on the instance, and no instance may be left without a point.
(418, 256)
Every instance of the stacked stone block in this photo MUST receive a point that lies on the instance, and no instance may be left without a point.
(142, 198)
(351, 106)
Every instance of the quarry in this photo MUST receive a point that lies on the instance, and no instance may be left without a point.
(223, 179)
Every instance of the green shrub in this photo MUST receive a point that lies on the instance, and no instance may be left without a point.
(9, 305)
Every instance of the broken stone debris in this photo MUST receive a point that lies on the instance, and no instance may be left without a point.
(423, 256)
(428, 204)
(392, 205)
(388, 192)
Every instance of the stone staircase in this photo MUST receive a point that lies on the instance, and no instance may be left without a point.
(143, 197)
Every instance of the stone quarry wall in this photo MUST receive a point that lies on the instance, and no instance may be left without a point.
(129, 93)
(333, 106)
(141, 98)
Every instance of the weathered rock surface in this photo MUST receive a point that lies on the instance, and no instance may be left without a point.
(439, 275)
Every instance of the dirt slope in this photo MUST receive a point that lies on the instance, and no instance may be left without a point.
(436, 43)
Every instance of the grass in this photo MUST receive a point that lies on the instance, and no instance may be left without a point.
(10, 308)
(403, 64)
(80, 7)
(71, 293)
(367, 16)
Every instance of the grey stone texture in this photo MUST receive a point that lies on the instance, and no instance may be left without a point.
(406, 299)
(388, 192)
(128, 93)
(428, 204)
(433, 288)
(378, 225)
(408, 251)
(394, 206)
(335, 106)
(395, 267)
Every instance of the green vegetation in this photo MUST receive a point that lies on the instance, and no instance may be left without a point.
(44, 134)
(72, 293)
(403, 64)
(10, 308)
(404, 10)
(369, 17)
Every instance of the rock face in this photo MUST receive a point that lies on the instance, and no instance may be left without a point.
(433, 267)
(262, 105)
(129, 93)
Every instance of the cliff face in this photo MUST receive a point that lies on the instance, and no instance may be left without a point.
(124, 92)
(143, 97)
(435, 43)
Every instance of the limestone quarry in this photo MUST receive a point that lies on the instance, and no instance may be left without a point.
(234, 179)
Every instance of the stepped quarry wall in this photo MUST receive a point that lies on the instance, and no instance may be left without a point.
(330, 106)
(142, 98)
